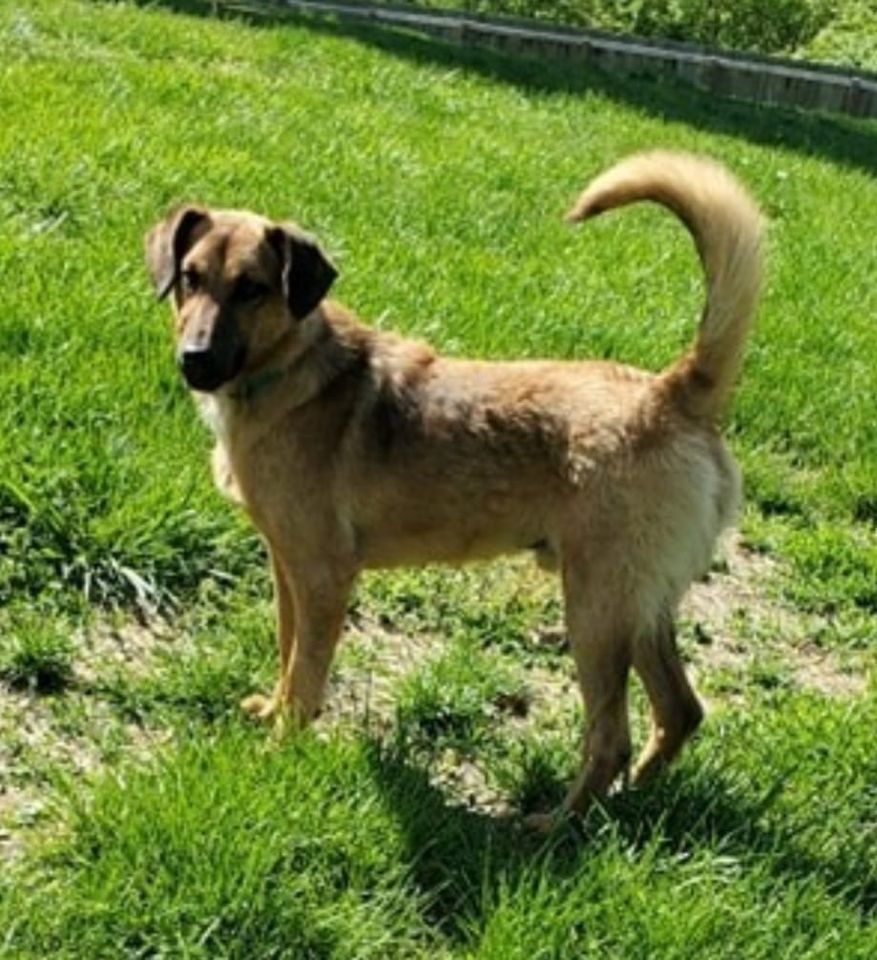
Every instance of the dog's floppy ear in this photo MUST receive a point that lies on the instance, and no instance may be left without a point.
(167, 243)
(306, 273)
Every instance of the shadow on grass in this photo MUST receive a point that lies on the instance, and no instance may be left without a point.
(842, 140)
(462, 859)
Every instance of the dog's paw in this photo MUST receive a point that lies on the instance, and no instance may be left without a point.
(259, 707)
(547, 823)
(543, 823)
(284, 725)
(291, 717)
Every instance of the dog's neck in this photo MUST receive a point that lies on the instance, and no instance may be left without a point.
(326, 344)
(251, 385)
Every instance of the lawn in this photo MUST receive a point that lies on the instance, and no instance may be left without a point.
(140, 816)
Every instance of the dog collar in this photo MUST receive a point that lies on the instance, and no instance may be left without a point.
(258, 383)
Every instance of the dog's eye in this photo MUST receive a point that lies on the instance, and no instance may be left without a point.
(191, 281)
(248, 290)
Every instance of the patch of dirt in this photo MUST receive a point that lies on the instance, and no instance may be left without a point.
(373, 660)
(734, 627)
(734, 616)
(738, 623)
(15, 805)
(124, 645)
(465, 781)
(75, 730)
(364, 694)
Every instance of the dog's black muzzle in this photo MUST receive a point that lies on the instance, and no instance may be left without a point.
(208, 358)
(200, 369)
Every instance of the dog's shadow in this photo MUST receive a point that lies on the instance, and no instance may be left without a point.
(461, 859)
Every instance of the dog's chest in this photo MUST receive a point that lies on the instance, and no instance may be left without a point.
(216, 413)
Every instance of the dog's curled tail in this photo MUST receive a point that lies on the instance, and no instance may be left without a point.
(727, 230)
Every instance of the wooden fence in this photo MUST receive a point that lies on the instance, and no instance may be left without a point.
(756, 79)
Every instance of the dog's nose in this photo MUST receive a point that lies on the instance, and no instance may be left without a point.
(199, 368)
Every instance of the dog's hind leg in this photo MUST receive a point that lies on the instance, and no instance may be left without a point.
(600, 643)
(676, 711)
(258, 705)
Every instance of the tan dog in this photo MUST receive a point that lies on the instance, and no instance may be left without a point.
(352, 448)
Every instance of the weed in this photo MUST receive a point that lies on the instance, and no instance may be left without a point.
(36, 655)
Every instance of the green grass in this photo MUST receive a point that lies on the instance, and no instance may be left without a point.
(335, 848)
(145, 819)
(107, 496)
(36, 653)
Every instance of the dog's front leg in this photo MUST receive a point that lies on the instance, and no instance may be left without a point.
(320, 598)
(258, 705)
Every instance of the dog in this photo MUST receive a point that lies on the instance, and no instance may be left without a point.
(352, 448)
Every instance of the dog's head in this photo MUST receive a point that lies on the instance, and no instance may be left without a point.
(240, 285)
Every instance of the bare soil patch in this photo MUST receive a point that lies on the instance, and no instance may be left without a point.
(738, 622)
(735, 628)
